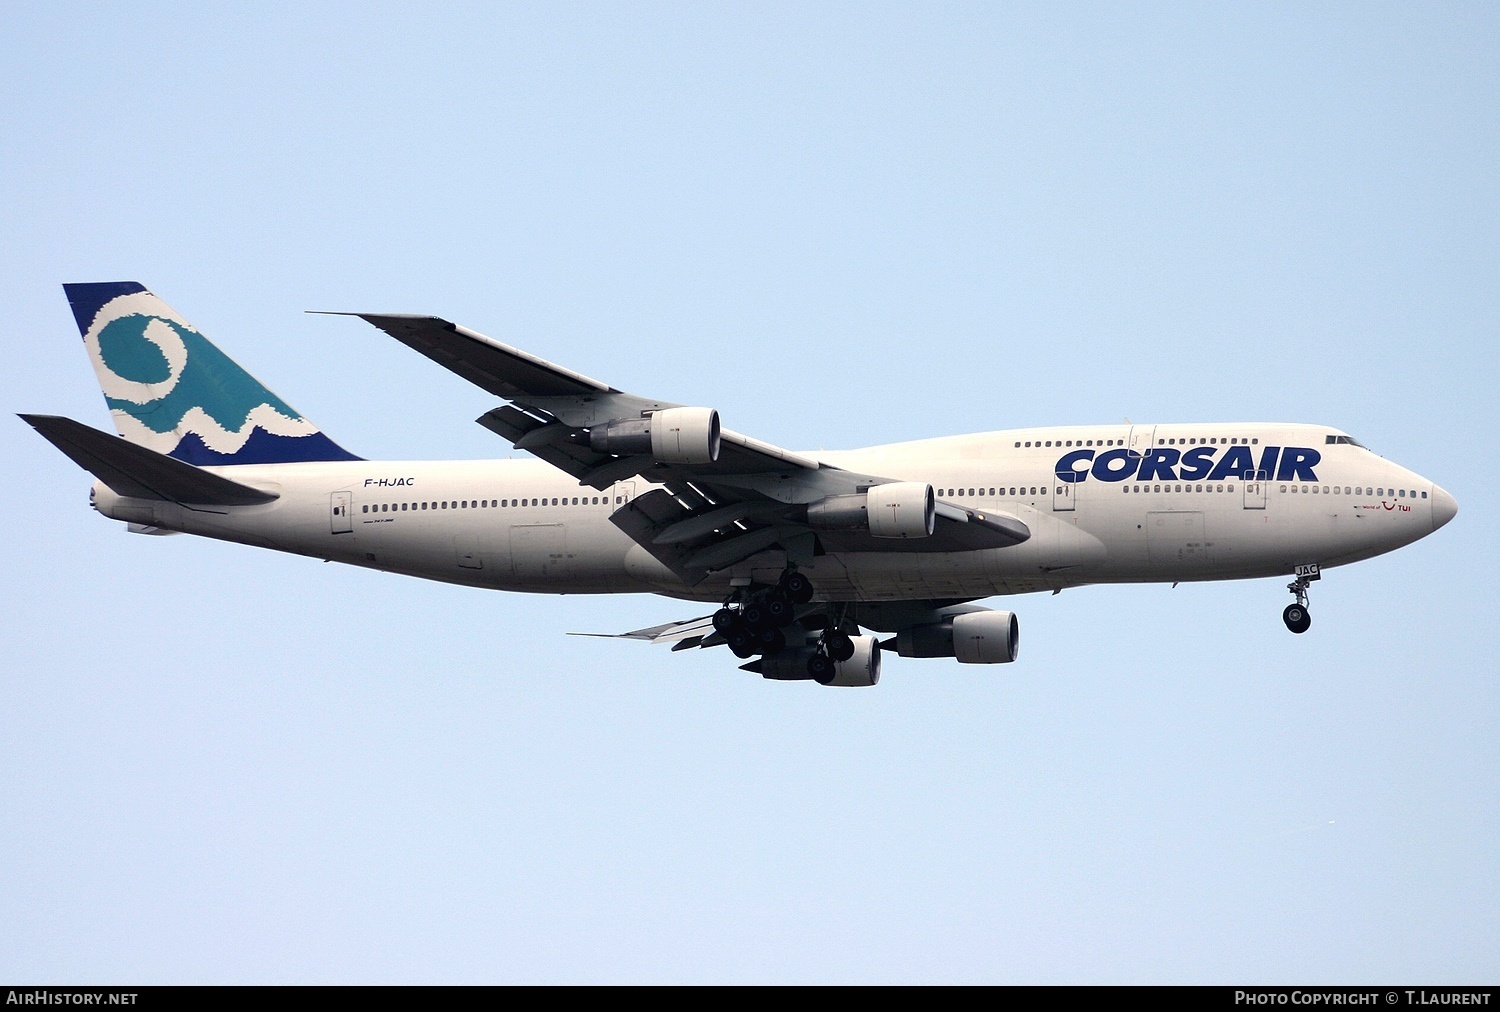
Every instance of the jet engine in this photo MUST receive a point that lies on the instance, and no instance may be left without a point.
(672, 436)
(899, 509)
(978, 637)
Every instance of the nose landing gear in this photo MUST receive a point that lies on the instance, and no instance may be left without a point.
(1296, 616)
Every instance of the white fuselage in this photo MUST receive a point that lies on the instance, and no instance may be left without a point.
(523, 525)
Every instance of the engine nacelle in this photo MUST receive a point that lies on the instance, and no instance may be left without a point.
(672, 436)
(986, 637)
(901, 509)
(979, 637)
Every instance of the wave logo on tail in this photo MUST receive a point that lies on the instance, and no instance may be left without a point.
(172, 390)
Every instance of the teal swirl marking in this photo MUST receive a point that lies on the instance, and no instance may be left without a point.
(209, 379)
(128, 354)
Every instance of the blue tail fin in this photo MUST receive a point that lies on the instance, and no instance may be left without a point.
(169, 389)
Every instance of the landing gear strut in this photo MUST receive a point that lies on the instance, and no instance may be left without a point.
(1296, 616)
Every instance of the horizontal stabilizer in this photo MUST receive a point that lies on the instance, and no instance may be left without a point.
(141, 473)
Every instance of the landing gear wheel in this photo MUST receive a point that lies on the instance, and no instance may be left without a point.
(741, 640)
(820, 666)
(798, 588)
(724, 621)
(779, 609)
(839, 646)
(1296, 618)
(756, 616)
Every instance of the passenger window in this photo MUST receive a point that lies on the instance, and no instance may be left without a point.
(1424, 495)
(1283, 488)
(364, 509)
(1018, 445)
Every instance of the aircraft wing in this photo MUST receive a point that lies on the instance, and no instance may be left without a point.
(751, 497)
(682, 635)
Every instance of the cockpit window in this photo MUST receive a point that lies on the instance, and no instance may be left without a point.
(1330, 440)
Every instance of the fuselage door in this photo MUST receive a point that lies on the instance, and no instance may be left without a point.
(1062, 494)
(1255, 489)
(624, 492)
(340, 515)
(1141, 436)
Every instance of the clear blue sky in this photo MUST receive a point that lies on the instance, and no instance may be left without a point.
(839, 225)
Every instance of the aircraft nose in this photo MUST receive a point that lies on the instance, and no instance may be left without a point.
(1444, 507)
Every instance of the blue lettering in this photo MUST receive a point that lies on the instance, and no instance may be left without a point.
(1268, 460)
(1297, 464)
(1106, 469)
(1066, 471)
(1196, 463)
(1156, 465)
(1236, 463)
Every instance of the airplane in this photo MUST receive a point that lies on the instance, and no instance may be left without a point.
(801, 551)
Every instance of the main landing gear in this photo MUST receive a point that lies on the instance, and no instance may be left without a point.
(1296, 616)
(754, 627)
(833, 648)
